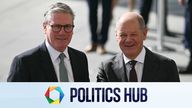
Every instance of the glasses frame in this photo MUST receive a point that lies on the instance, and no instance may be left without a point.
(57, 28)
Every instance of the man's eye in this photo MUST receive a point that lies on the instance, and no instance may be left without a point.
(67, 26)
(122, 35)
(133, 34)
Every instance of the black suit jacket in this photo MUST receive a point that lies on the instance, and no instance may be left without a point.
(35, 65)
(156, 68)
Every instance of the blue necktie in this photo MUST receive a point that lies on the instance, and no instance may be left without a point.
(62, 69)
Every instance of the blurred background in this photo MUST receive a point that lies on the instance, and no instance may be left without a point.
(21, 30)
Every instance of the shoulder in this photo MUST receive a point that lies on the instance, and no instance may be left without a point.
(31, 53)
(113, 60)
(75, 52)
(158, 57)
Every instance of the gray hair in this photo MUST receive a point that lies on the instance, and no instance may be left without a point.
(141, 22)
(58, 7)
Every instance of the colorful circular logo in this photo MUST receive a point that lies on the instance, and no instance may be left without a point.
(58, 99)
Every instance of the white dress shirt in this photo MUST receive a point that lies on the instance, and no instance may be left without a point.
(138, 66)
(55, 60)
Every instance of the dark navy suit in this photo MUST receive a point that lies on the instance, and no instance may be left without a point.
(35, 65)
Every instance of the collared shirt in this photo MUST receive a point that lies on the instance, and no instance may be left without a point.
(138, 66)
(55, 60)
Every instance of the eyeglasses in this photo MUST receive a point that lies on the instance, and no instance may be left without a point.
(67, 28)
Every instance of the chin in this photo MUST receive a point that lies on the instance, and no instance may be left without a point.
(61, 48)
(130, 54)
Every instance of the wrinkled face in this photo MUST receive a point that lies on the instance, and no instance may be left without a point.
(59, 30)
(130, 37)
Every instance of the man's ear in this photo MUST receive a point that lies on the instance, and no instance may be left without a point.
(116, 35)
(145, 33)
(44, 27)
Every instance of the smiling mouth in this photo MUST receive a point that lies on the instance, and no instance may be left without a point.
(130, 45)
(61, 38)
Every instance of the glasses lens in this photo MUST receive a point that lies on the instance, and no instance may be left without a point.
(68, 28)
(56, 28)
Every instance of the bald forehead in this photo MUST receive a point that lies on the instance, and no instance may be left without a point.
(129, 16)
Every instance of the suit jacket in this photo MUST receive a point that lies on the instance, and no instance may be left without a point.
(156, 68)
(35, 65)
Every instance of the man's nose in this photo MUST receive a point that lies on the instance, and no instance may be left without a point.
(62, 31)
(128, 39)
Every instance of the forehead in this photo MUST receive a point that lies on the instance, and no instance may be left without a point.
(128, 25)
(60, 17)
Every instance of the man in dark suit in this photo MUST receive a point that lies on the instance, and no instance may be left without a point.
(136, 63)
(53, 60)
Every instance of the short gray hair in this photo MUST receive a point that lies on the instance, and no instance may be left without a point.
(58, 7)
(141, 22)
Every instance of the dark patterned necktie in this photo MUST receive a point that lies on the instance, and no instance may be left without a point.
(62, 69)
(132, 73)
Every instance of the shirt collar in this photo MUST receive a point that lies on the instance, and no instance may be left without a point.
(54, 53)
(140, 58)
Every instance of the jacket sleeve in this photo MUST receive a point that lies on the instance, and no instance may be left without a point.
(17, 71)
(101, 76)
(174, 74)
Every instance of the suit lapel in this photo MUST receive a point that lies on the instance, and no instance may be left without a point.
(120, 69)
(47, 64)
(74, 64)
(150, 67)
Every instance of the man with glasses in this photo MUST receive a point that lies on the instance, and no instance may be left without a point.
(53, 60)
